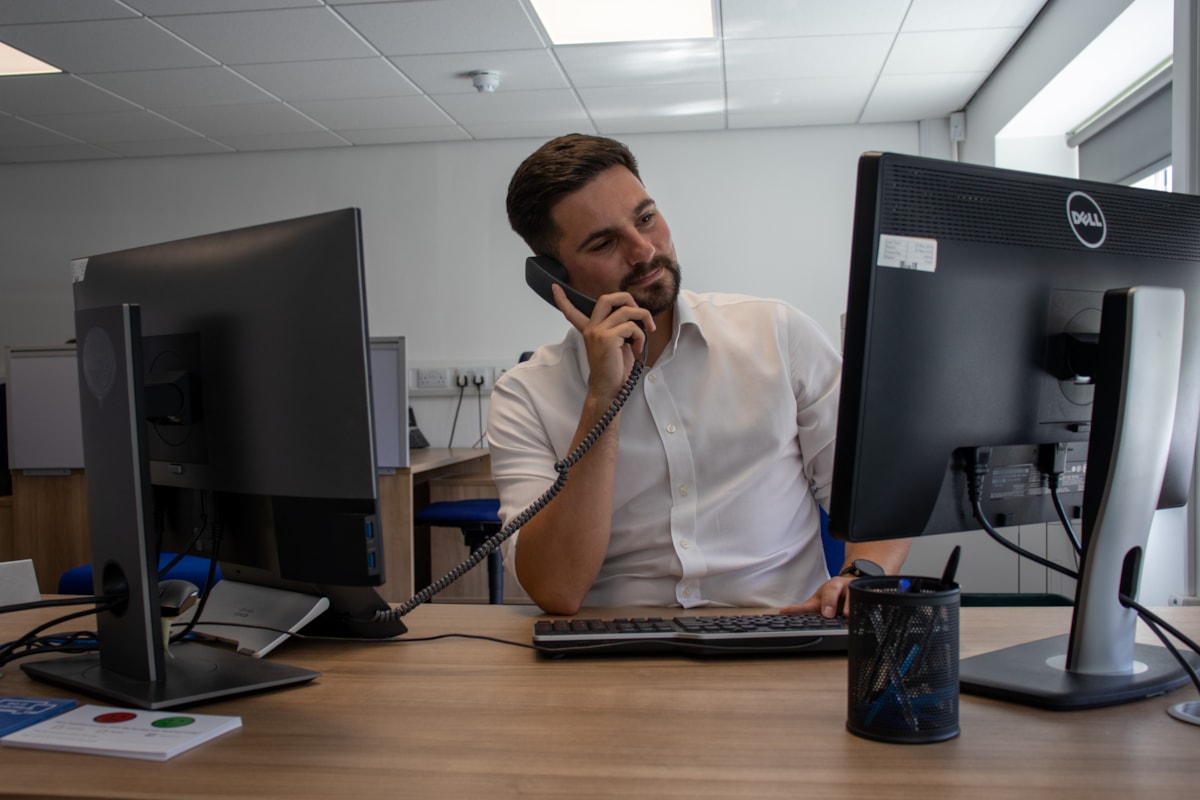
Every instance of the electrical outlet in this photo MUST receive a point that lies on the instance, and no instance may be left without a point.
(434, 378)
(478, 378)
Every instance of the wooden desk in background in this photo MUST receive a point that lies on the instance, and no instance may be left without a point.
(460, 718)
(49, 519)
(434, 473)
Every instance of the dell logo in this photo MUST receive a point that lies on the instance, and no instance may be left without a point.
(1086, 219)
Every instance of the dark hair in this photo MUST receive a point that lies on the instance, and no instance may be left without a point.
(554, 170)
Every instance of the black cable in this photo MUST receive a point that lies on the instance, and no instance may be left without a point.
(1154, 622)
(516, 523)
(1063, 517)
(462, 388)
(79, 600)
(200, 528)
(479, 406)
(977, 461)
(9, 650)
(210, 580)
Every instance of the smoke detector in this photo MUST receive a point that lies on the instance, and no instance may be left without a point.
(485, 80)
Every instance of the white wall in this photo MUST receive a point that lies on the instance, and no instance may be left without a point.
(765, 212)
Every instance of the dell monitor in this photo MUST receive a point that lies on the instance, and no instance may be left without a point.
(225, 384)
(1007, 333)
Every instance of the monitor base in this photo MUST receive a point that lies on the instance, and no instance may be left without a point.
(1028, 674)
(196, 673)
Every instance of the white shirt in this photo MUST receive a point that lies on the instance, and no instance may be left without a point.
(724, 443)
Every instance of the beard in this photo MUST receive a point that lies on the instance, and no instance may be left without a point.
(661, 295)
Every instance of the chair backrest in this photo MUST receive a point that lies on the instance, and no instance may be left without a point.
(835, 549)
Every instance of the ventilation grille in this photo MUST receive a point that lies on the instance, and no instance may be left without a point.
(1023, 210)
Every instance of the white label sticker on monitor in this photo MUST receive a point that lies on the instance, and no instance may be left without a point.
(907, 252)
(78, 269)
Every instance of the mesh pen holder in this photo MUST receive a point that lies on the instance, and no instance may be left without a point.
(903, 659)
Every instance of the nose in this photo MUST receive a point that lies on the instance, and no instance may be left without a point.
(640, 250)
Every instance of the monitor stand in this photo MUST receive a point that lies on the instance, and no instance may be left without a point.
(193, 673)
(132, 667)
(1098, 663)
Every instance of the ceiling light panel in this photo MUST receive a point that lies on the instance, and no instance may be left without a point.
(14, 62)
(594, 21)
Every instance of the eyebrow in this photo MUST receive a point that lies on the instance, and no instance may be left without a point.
(603, 232)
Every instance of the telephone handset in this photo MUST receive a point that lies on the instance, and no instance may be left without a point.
(541, 272)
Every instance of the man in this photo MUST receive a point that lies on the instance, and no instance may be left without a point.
(704, 489)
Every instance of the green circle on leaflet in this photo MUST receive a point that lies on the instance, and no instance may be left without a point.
(173, 722)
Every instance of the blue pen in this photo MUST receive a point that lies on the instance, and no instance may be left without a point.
(894, 687)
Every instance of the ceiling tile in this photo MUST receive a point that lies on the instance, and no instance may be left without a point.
(899, 98)
(619, 126)
(512, 107)
(259, 37)
(28, 95)
(949, 15)
(767, 19)
(20, 133)
(441, 133)
(444, 26)
(640, 63)
(529, 129)
(173, 7)
(22, 12)
(520, 70)
(788, 95)
(791, 118)
(949, 51)
(62, 152)
(671, 101)
(809, 57)
(103, 46)
(327, 80)
(255, 119)
(195, 86)
(120, 126)
(375, 112)
(297, 140)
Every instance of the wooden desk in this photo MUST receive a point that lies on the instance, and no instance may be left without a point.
(459, 718)
(402, 493)
(49, 516)
(49, 523)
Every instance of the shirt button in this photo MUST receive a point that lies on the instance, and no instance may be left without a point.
(670, 429)
(652, 378)
(685, 544)
(687, 592)
(683, 491)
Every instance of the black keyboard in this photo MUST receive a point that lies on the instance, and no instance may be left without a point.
(736, 634)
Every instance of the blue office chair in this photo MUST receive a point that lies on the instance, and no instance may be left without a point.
(78, 580)
(835, 549)
(478, 520)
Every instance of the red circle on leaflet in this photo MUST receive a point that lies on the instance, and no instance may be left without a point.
(115, 716)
